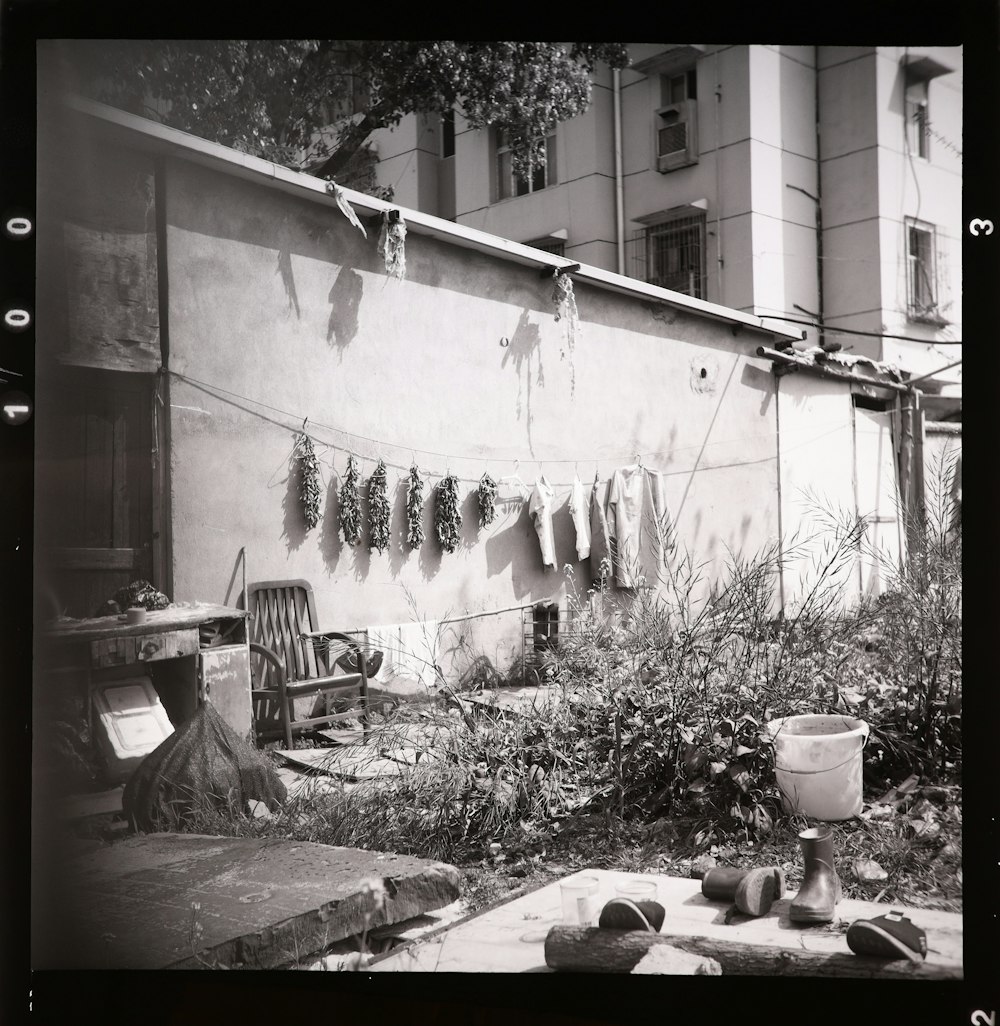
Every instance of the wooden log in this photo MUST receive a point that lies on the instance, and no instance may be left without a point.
(595, 950)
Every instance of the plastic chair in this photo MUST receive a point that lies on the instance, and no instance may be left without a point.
(291, 659)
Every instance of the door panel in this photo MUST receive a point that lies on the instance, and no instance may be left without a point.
(877, 499)
(94, 486)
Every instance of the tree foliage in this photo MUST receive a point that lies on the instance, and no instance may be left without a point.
(312, 104)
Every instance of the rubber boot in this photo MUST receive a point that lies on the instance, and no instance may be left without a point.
(753, 891)
(820, 890)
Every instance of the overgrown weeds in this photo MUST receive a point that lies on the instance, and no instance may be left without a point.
(657, 710)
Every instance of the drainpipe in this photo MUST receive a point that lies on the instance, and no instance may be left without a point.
(819, 214)
(619, 179)
(718, 187)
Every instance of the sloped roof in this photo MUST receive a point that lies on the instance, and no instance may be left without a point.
(155, 137)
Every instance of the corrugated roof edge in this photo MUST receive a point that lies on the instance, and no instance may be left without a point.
(243, 165)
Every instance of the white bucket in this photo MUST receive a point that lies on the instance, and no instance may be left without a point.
(817, 762)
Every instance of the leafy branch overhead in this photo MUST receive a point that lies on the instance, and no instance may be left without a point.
(312, 103)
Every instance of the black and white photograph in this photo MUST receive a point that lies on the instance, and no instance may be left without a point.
(497, 508)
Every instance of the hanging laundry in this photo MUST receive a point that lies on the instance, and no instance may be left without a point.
(540, 510)
(581, 521)
(638, 524)
(600, 536)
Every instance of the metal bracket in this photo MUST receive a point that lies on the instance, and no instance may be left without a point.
(554, 272)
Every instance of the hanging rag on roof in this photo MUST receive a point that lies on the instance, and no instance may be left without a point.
(391, 243)
(540, 511)
(345, 208)
(601, 557)
(638, 523)
(581, 522)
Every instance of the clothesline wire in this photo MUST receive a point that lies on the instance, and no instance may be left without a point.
(540, 462)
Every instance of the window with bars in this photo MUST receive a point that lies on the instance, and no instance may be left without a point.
(921, 272)
(509, 184)
(671, 254)
(555, 246)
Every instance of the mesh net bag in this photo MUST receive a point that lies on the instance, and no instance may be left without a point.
(203, 765)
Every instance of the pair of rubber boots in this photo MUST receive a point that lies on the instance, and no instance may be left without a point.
(546, 626)
(754, 891)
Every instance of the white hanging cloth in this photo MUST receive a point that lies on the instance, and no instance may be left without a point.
(540, 510)
(579, 510)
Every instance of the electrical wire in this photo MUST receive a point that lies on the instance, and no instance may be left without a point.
(448, 457)
(858, 331)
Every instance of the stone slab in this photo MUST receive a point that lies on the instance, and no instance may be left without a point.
(186, 901)
(511, 936)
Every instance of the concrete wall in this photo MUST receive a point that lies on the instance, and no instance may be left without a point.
(279, 300)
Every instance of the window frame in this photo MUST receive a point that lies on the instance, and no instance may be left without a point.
(651, 256)
(501, 150)
(916, 108)
(928, 313)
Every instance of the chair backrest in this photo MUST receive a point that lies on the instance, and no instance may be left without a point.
(280, 612)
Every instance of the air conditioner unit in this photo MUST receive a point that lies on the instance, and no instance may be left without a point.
(676, 130)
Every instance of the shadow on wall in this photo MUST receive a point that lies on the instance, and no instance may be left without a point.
(430, 551)
(294, 529)
(288, 279)
(516, 546)
(754, 377)
(525, 343)
(329, 538)
(345, 301)
(399, 548)
(470, 519)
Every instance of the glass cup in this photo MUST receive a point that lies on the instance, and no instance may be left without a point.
(636, 890)
(579, 900)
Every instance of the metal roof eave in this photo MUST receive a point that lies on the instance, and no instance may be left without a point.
(163, 139)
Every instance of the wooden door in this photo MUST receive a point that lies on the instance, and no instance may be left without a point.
(94, 487)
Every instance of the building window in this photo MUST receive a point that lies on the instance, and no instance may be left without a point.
(675, 125)
(671, 254)
(448, 134)
(917, 120)
(921, 272)
(509, 184)
(548, 245)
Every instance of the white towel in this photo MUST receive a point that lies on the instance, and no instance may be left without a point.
(409, 650)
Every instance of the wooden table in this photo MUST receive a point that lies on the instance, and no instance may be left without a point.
(510, 938)
(185, 669)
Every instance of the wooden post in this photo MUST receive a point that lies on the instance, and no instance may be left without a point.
(597, 950)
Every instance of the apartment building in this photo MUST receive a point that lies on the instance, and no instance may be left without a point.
(805, 183)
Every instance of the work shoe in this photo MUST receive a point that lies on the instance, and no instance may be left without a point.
(888, 936)
(820, 890)
(623, 914)
(721, 883)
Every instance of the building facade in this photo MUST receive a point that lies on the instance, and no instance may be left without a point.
(814, 183)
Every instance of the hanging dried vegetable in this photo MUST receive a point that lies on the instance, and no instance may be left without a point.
(309, 491)
(350, 505)
(378, 510)
(487, 500)
(414, 508)
(447, 515)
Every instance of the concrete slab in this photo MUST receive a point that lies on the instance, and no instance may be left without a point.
(185, 901)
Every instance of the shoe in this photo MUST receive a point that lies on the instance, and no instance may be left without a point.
(820, 890)
(721, 883)
(622, 914)
(755, 893)
(888, 936)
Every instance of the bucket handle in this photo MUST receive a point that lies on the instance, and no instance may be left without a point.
(866, 730)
